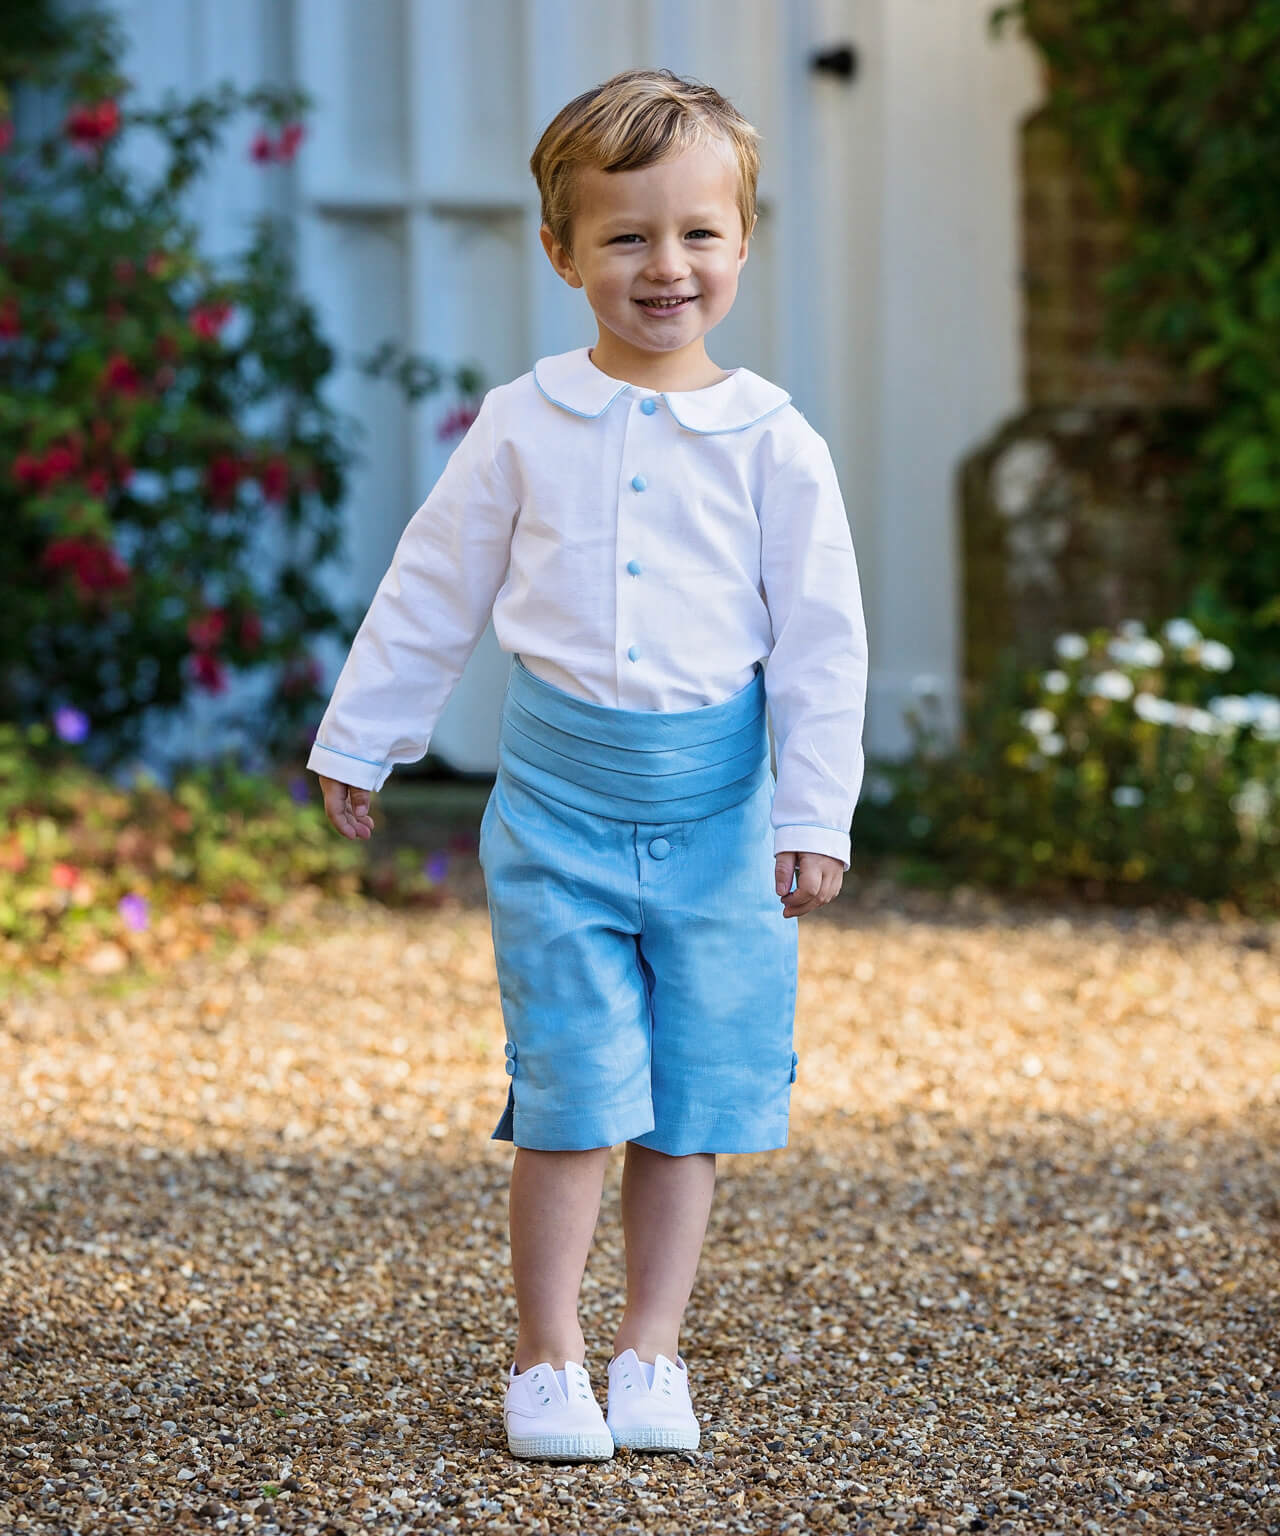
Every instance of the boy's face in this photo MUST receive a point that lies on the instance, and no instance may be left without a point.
(668, 230)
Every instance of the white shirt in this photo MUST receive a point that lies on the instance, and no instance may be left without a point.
(637, 548)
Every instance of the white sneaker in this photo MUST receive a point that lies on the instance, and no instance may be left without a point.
(553, 1422)
(657, 1417)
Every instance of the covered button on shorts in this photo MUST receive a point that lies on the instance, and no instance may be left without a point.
(647, 975)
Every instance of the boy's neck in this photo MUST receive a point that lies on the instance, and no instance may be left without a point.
(689, 368)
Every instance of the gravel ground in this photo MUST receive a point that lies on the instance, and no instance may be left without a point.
(1016, 1271)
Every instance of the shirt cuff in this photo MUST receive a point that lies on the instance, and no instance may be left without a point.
(358, 772)
(812, 840)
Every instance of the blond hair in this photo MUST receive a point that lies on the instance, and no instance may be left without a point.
(635, 119)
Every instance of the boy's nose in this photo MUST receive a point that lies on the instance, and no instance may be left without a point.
(668, 263)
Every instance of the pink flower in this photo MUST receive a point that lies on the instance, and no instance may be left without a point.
(64, 875)
(206, 631)
(209, 672)
(207, 320)
(10, 321)
(275, 479)
(95, 124)
(95, 565)
(291, 137)
(223, 478)
(121, 376)
(97, 482)
(457, 421)
(262, 149)
(6, 133)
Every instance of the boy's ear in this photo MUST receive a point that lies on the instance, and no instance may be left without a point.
(559, 258)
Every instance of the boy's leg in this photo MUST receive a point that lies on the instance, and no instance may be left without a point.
(554, 1202)
(665, 1205)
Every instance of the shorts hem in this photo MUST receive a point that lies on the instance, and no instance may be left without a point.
(551, 1133)
(769, 1137)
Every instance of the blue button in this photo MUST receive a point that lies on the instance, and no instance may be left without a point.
(511, 1068)
(638, 482)
(634, 653)
(648, 407)
(510, 1048)
(659, 847)
(634, 567)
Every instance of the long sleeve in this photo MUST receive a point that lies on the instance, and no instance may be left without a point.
(816, 674)
(425, 619)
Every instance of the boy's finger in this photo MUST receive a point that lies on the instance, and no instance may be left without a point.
(784, 866)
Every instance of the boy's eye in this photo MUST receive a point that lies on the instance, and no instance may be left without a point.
(708, 232)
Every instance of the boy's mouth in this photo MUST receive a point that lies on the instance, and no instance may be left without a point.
(666, 306)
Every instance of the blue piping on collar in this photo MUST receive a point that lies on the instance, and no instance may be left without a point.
(666, 395)
(588, 415)
(714, 431)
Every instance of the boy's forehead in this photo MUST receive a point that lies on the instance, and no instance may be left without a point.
(701, 176)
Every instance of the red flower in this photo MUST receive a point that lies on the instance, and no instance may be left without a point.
(6, 133)
(251, 631)
(275, 479)
(93, 125)
(60, 462)
(124, 270)
(95, 565)
(262, 149)
(10, 321)
(289, 141)
(64, 875)
(28, 470)
(97, 482)
(223, 478)
(457, 421)
(207, 320)
(209, 672)
(121, 376)
(205, 632)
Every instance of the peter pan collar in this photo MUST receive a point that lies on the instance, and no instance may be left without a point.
(571, 380)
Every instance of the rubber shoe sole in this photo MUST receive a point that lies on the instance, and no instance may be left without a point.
(561, 1447)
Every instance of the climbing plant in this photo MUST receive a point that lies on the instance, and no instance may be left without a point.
(1172, 107)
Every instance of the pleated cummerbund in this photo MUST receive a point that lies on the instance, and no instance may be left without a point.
(634, 765)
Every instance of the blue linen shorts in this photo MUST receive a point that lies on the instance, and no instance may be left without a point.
(647, 975)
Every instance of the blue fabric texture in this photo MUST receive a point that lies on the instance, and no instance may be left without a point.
(647, 975)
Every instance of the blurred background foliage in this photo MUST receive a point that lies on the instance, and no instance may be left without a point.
(136, 494)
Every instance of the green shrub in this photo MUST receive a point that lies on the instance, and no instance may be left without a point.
(1125, 772)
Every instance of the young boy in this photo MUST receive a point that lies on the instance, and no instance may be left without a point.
(647, 530)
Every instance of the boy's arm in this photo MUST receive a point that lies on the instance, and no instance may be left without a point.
(425, 619)
(816, 677)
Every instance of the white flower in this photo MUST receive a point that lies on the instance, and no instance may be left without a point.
(1071, 647)
(1051, 743)
(1147, 653)
(1149, 706)
(1132, 629)
(1112, 685)
(1266, 710)
(1253, 801)
(1056, 682)
(1232, 709)
(1216, 657)
(926, 686)
(1181, 633)
(1126, 794)
(1038, 721)
(1203, 723)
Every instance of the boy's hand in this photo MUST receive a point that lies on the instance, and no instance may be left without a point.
(818, 880)
(346, 807)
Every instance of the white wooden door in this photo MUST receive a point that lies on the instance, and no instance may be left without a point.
(419, 220)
